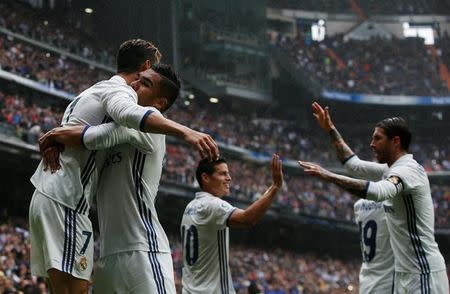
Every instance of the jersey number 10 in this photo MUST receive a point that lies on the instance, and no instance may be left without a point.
(190, 244)
(368, 240)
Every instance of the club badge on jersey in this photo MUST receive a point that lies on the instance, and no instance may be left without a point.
(83, 263)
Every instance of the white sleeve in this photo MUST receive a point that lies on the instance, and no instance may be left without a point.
(385, 189)
(220, 212)
(121, 105)
(365, 169)
(111, 134)
(410, 177)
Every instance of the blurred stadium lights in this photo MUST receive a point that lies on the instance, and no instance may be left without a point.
(214, 100)
(318, 30)
(45, 23)
(88, 10)
(187, 102)
(425, 31)
(191, 96)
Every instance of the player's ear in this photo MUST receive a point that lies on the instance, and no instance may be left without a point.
(397, 141)
(205, 178)
(162, 103)
(146, 65)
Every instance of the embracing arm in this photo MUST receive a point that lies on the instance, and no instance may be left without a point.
(122, 108)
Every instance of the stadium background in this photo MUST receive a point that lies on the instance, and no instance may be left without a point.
(264, 62)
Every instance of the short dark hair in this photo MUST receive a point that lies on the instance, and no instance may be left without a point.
(170, 83)
(207, 166)
(396, 126)
(133, 53)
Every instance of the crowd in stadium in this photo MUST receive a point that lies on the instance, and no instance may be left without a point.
(263, 136)
(300, 195)
(374, 66)
(371, 66)
(370, 7)
(50, 28)
(50, 69)
(15, 274)
(279, 271)
(274, 271)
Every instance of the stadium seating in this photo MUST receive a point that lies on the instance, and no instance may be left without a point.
(375, 66)
(370, 7)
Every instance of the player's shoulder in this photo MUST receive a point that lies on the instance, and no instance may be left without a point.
(115, 84)
(357, 205)
(407, 163)
(367, 205)
(409, 171)
(209, 201)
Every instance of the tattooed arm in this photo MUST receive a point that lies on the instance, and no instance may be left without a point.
(354, 186)
(343, 152)
(322, 116)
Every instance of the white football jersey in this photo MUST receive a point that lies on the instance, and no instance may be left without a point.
(72, 185)
(410, 215)
(205, 242)
(377, 270)
(127, 189)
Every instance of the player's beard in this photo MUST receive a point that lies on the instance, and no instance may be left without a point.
(382, 155)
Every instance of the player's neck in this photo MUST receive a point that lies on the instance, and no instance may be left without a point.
(396, 156)
(129, 77)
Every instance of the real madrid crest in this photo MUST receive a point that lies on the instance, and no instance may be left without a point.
(83, 263)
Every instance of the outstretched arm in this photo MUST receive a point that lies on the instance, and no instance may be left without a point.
(251, 215)
(376, 191)
(355, 186)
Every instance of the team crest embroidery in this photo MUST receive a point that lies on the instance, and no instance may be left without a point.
(83, 263)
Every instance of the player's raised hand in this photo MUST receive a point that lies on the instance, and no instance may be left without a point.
(277, 171)
(204, 143)
(322, 116)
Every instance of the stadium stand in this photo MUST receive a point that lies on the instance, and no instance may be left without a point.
(334, 6)
(55, 30)
(26, 115)
(271, 270)
(47, 68)
(370, 7)
(300, 195)
(375, 66)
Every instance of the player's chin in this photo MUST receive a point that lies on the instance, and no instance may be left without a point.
(226, 191)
